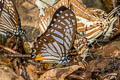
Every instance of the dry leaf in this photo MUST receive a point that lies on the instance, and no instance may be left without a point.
(31, 72)
(59, 73)
(7, 73)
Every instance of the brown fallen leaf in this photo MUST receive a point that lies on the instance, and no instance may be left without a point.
(59, 73)
(31, 72)
(7, 73)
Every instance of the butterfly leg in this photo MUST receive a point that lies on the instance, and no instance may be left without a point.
(87, 55)
(98, 42)
(17, 41)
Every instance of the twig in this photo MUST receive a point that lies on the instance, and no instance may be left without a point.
(9, 50)
(73, 76)
(14, 53)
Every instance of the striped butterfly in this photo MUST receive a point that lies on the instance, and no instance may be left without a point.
(10, 24)
(54, 44)
(92, 25)
(89, 27)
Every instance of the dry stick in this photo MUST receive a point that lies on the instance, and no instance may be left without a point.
(8, 49)
(14, 53)
(73, 76)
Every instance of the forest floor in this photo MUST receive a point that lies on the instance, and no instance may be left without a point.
(105, 64)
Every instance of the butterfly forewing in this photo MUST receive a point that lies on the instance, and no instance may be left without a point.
(9, 19)
(1, 6)
(10, 8)
(55, 43)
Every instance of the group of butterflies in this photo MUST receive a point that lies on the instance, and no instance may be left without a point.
(71, 24)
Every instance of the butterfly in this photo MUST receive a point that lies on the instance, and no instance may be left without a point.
(10, 24)
(54, 44)
(92, 24)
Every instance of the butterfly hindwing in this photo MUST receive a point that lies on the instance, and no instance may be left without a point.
(1, 6)
(57, 13)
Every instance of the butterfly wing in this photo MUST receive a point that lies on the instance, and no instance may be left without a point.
(1, 6)
(44, 21)
(54, 44)
(9, 19)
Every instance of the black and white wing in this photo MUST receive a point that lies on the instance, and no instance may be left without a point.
(54, 44)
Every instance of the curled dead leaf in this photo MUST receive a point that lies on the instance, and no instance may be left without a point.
(31, 72)
(116, 53)
(59, 73)
(7, 73)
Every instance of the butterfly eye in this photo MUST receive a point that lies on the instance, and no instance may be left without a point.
(9, 19)
(55, 43)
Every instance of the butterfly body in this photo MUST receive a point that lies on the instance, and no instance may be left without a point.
(54, 44)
